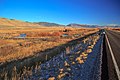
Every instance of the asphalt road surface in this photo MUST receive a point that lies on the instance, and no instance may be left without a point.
(113, 42)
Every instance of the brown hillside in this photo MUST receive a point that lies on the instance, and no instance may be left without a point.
(16, 23)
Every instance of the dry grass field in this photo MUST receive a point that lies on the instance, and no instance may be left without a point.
(116, 29)
(36, 40)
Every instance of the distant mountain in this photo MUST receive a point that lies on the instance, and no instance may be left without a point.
(48, 24)
(16, 23)
(81, 25)
(74, 24)
(117, 26)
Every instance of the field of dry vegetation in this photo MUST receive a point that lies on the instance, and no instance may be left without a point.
(116, 29)
(36, 40)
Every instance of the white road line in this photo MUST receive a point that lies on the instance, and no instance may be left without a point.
(113, 58)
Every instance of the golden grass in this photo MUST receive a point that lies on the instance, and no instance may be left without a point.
(115, 29)
(11, 49)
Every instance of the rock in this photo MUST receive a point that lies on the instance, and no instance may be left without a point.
(61, 70)
(84, 57)
(68, 69)
(73, 62)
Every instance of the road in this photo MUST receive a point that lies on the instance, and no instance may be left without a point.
(113, 41)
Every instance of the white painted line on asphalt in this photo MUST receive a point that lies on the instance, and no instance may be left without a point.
(113, 58)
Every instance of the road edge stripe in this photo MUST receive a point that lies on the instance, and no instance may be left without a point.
(113, 58)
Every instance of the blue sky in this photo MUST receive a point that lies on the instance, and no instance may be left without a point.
(100, 12)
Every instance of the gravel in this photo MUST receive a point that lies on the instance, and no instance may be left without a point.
(67, 65)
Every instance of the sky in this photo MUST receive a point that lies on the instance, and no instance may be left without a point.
(99, 12)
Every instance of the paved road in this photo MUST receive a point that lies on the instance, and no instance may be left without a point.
(114, 40)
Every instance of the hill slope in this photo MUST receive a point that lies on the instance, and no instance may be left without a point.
(16, 23)
(48, 24)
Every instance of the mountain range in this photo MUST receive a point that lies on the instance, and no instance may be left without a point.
(4, 22)
(48, 24)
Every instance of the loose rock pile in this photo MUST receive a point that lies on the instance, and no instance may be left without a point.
(74, 63)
